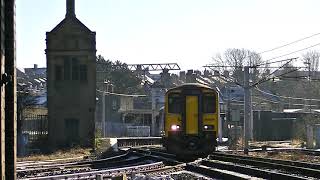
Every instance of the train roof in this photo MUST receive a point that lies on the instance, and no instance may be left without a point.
(192, 85)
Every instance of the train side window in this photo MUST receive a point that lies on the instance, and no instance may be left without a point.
(209, 103)
(174, 103)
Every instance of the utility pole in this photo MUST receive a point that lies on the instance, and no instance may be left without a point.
(247, 109)
(103, 124)
(309, 81)
(251, 113)
(105, 90)
(228, 113)
(153, 118)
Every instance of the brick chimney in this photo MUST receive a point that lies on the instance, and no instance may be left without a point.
(191, 77)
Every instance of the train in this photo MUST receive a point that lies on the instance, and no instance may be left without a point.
(191, 117)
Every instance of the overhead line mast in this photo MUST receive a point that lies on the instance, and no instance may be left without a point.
(248, 121)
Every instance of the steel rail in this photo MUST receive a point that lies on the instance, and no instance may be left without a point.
(109, 172)
(244, 169)
(71, 164)
(125, 160)
(168, 158)
(118, 161)
(276, 149)
(269, 163)
(52, 161)
(214, 173)
(278, 161)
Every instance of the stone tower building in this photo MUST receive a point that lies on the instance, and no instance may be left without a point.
(71, 81)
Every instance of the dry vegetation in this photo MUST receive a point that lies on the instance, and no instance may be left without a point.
(61, 154)
(292, 156)
(277, 144)
(35, 111)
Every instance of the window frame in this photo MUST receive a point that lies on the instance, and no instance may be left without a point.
(205, 99)
(177, 109)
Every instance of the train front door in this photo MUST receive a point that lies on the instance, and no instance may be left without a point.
(192, 115)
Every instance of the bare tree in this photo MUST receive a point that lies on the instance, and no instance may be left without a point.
(233, 61)
(311, 58)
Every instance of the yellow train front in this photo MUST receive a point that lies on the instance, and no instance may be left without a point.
(191, 119)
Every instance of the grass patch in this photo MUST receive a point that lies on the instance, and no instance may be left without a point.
(60, 154)
(291, 156)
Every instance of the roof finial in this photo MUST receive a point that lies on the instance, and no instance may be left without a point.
(70, 8)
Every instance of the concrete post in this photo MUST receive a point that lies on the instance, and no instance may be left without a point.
(103, 119)
(219, 125)
(316, 132)
(153, 119)
(247, 109)
(251, 115)
(310, 139)
(99, 177)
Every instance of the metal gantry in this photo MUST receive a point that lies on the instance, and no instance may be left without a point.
(154, 67)
(105, 66)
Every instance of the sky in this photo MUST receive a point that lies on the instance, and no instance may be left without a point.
(187, 32)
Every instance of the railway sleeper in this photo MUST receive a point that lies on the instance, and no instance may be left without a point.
(255, 172)
(270, 165)
(215, 173)
(285, 162)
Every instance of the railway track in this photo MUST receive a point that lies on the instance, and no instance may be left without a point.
(276, 150)
(223, 170)
(25, 170)
(155, 162)
(228, 166)
(23, 164)
(134, 160)
(262, 167)
(105, 173)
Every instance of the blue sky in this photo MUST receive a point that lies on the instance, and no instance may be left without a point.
(189, 32)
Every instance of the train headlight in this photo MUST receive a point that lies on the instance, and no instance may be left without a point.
(208, 127)
(175, 127)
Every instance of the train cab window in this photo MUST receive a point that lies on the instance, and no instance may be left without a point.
(209, 103)
(174, 103)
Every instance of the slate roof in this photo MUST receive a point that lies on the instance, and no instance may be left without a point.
(70, 20)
